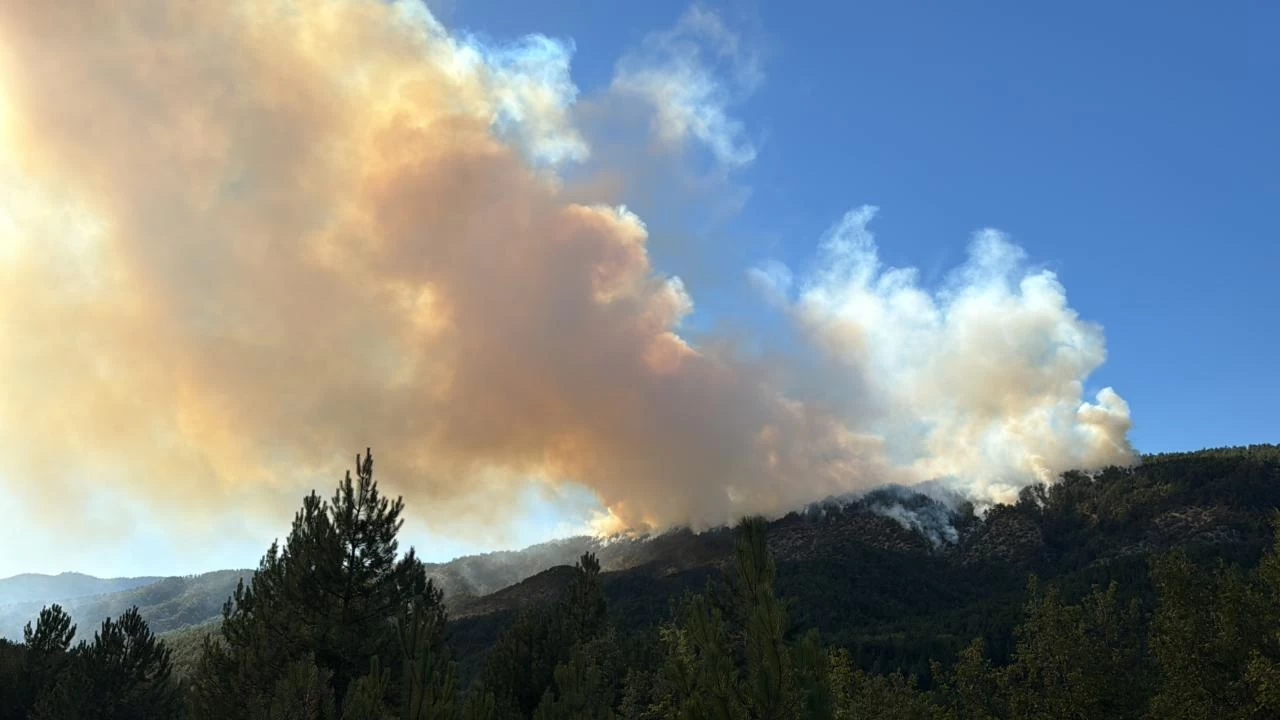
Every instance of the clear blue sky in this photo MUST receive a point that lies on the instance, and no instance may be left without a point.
(1132, 147)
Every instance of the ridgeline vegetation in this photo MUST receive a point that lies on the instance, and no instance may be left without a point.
(1151, 592)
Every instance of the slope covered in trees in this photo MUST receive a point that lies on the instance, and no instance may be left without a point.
(34, 587)
(1134, 593)
(167, 604)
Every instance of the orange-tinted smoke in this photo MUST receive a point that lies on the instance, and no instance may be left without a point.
(239, 240)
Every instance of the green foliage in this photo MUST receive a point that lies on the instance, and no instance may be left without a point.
(730, 659)
(367, 697)
(582, 690)
(168, 604)
(187, 646)
(131, 670)
(890, 697)
(303, 692)
(1263, 671)
(53, 632)
(972, 688)
(428, 691)
(1076, 661)
(1215, 638)
(124, 672)
(1199, 641)
(521, 667)
(331, 593)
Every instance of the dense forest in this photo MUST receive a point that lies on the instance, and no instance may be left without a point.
(1147, 592)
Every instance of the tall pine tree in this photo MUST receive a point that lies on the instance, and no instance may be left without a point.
(331, 595)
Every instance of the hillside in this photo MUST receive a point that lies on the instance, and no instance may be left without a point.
(166, 603)
(879, 584)
(896, 576)
(32, 587)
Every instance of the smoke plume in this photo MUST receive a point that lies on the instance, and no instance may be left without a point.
(979, 382)
(240, 238)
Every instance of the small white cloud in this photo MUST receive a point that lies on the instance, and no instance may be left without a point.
(529, 90)
(534, 92)
(691, 75)
(773, 279)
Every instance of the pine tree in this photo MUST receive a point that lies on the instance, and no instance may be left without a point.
(521, 667)
(304, 692)
(125, 672)
(889, 697)
(728, 659)
(582, 690)
(367, 696)
(1077, 661)
(1263, 671)
(1200, 639)
(53, 632)
(131, 669)
(812, 667)
(764, 621)
(332, 592)
(429, 690)
(45, 658)
(972, 689)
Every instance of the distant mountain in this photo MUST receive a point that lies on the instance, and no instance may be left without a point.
(476, 575)
(52, 588)
(166, 603)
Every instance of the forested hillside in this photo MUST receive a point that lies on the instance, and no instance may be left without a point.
(33, 587)
(898, 602)
(1131, 593)
(166, 603)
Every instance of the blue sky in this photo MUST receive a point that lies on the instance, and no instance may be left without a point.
(1130, 147)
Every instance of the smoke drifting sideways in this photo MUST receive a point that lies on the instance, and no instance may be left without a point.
(979, 384)
(238, 239)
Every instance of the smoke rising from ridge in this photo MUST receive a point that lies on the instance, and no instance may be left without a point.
(979, 381)
(239, 238)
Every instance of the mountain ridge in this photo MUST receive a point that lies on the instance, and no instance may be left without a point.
(856, 570)
(43, 587)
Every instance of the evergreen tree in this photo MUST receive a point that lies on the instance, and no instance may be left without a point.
(428, 690)
(16, 691)
(972, 689)
(44, 659)
(699, 676)
(131, 670)
(1263, 670)
(812, 666)
(1200, 639)
(332, 592)
(764, 622)
(53, 632)
(1077, 661)
(304, 692)
(582, 690)
(521, 667)
(734, 662)
(124, 673)
(890, 697)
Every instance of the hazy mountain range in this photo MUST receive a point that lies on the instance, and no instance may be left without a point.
(469, 583)
(894, 573)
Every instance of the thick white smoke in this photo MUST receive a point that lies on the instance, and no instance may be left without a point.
(979, 381)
